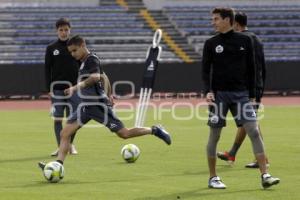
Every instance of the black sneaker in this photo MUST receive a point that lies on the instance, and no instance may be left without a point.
(226, 157)
(42, 165)
(254, 165)
(161, 133)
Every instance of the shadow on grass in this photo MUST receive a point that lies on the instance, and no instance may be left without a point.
(220, 169)
(25, 159)
(199, 194)
(42, 184)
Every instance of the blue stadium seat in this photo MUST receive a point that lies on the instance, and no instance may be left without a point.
(112, 32)
(277, 26)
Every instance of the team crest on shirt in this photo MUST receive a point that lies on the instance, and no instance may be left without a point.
(81, 66)
(214, 119)
(219, 49)
(55, 52)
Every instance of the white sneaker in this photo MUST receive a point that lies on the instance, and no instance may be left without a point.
(55, 153)
(216, 183)
(267, 180)
(73, 150)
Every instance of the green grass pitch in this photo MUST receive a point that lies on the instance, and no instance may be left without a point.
(162, 172)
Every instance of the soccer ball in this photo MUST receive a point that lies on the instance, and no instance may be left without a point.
(54, 172)
(130, 153)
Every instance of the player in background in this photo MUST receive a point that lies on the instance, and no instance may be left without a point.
(95, 103)
(228, 74)
(61, 72)
(240, 25)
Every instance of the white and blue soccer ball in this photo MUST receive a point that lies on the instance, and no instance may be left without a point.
(54, 171)
(130, 153)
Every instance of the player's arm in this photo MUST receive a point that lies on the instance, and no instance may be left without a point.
(107, 88)
(48, 65)
(263, 62)
(91, 80)
(251, 69)
(106, 84)
(206, 72)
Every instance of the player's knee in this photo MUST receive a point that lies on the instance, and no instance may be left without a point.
(253, 133)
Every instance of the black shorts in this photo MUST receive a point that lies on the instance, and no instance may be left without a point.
(239, 105)
(99, 112)
(61, 104)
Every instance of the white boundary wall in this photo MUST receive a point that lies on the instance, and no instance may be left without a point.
(159, 4)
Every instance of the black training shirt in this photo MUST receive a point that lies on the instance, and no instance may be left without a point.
(228, 63)
(60, 65)
(259, 57)
(95, 92)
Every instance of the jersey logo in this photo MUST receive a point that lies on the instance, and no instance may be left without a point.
(219, 49)
(112, 125)
(81, 66)
(55, 52)
(150, 67)
(242, 49)
(214, 119)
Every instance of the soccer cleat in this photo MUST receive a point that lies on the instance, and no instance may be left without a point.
(225, 156)
(42, 165)
(161, 133)
(54, 153)
(267, 180)
(73, 150)
(254, 165)
(216, 183)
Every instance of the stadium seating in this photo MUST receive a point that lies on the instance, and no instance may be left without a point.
(119, 35)
(277, 26)
(113, 33)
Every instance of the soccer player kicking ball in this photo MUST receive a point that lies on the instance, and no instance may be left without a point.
(95, 103)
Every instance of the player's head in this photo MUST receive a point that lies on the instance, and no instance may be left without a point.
(63, 29)
(222, 19)
(77, 47)
(240, 21)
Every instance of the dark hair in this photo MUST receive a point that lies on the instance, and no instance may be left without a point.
(225, 12)
(76, 40)
(241, 18)
(62, 22)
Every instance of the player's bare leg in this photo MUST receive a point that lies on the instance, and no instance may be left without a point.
(65, 138)
(229, 156)
(126, 133)
(158, 131)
